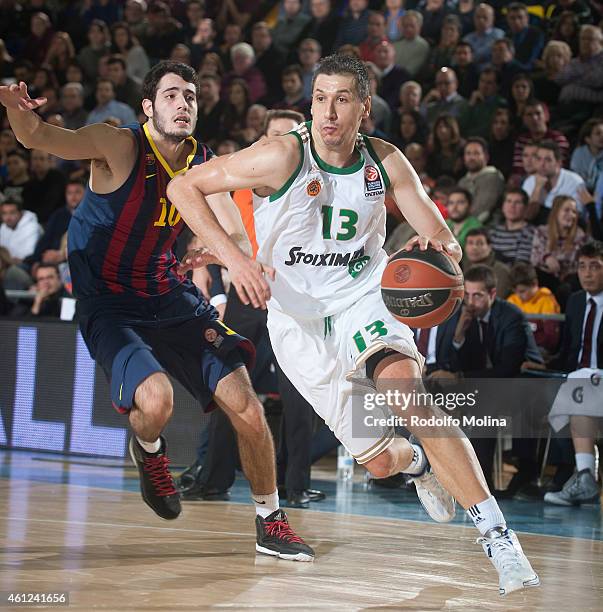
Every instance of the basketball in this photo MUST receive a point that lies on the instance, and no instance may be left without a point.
(422, 288)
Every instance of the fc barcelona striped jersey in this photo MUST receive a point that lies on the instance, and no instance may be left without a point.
(122, 242)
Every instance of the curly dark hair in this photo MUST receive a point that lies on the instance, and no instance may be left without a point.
(158, 71)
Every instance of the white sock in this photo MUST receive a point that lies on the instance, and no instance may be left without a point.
(419, 461)
(265, 505)
(150, 447)
(585, 461)
(486, 515)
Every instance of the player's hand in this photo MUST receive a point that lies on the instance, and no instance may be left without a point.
(16, 97)
(451, 246)
(249, 279)
(197, 258)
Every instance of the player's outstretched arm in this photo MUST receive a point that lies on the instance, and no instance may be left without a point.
(414, 203)
(99, 141)
(266, 164)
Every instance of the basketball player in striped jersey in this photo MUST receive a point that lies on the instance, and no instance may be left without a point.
(320, 223)
(140, 317)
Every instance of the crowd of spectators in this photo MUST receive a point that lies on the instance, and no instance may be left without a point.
(498, 106)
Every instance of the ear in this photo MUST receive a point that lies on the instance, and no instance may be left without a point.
(147, 107)
(366, 108)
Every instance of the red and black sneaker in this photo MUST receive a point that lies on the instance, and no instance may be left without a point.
(156, 483)
(275, 537)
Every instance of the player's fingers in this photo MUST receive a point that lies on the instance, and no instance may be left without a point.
(260, 290)
(436, 244)
(241, 292)
(423, 243)
(411, 243)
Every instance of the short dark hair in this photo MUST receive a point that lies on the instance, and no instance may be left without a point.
(463, 43)
(293, 69)
(116, 58)
(480, 141)
(523, 273)
(478, 231)
(525, 198)
(271, 115)
(507, 42)
(517, 6)
(48, 265)
(594, 248)
(210, 76)
(9, 202)
(588, 127)
(158, 71)
(481, 274)
(551, 145)
(18, 153)
(346, 64)
(465, 193)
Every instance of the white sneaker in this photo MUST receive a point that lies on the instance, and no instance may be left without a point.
(438, 503)
(504, 550)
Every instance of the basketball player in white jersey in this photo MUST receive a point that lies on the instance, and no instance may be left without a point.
(320, 224)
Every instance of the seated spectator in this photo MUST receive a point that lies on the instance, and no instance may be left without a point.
(36, 45)
(17, 175)
(308, 53)
(48, 247)
(72, 103)
(582, 354)
(444, 98)
(380, 109)
(232, 36)
(375, 36)
(550, 181)
(293, 86)
(528, 40)
(60, 54)
(587, 158)
(410, 97)
(442, 55)
(237, 105)
(290, 28)
(19, 231)
(392, 75)
(181, 53)
(211, 109)
(99, 45)
(483, 104)
(503, 61)
(353, 27)
(491, 339)
(162, 33)
(8, 142)
(45, 191)
(555, 57)
(394, 10)
(466, 70)
(582, 79)
(417, 157)
(127, 90)
(484, 35)
(555, 248)
(323, 25)
(49, 293)
(535, 120)
(368, 126)
(128, 46)
(434, 12)
(512, 240)
(135, 17)
(412, 51)
(108, 106)
(478, 251)
(13, 276)
(254, 124)
(195, 11)
(242, 56)
(501, 142)
(522, 92)
(445, 155)
(411, 128)
(530, 298)
(460, 221)
(268, 60)
(485, 183)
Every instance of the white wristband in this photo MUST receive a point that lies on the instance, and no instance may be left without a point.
(218, 299)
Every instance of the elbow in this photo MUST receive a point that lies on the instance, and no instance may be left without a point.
(175, 190)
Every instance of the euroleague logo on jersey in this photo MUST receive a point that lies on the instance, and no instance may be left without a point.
(372, 182)
(313, 188)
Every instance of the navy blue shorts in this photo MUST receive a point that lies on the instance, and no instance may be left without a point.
(132, 338)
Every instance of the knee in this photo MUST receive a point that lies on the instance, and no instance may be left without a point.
(252, 417)
(382, 465)
(155, 398)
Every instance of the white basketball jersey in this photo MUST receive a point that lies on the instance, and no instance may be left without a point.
(323, 232)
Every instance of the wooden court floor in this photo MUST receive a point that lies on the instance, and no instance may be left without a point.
(111, 553)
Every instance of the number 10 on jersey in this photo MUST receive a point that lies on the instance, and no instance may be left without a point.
(172, 218)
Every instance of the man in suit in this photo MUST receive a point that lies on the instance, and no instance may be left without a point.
(488, 338)
(582, 347)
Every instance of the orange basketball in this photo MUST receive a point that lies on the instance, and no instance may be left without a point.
(422, 288)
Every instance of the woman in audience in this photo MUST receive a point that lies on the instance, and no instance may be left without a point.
(555, 248)
(124, 43)
(502, 142)
(522, 92)
(446, 145)
(211, 64)
(555, 57)
(442, 54)
(60, 55)
(410, 128)
(567, 30)
(238, 103)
